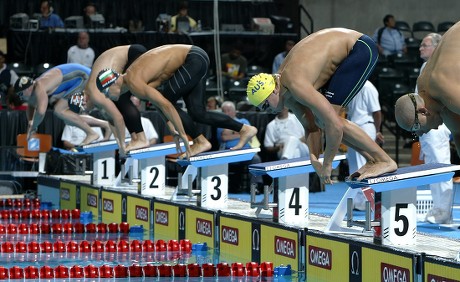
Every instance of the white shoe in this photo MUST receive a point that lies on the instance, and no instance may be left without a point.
(438, 216)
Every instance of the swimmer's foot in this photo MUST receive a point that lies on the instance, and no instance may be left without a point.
(374, 169)
(90, 139)
(246, 133)
(200, 145)
(136, 144)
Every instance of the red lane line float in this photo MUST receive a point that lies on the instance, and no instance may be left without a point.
(135, 270)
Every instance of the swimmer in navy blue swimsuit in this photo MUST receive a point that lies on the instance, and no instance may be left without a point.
(180, 70)
(318, 78)
(59, 84)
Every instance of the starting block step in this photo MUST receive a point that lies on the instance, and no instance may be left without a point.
(395, 220)
(290, 188)
(213, 174)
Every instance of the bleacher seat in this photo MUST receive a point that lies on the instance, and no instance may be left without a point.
(422, 28)
(412, 75)
(404, 62)
(41, 68)
(21, 68)
(413, 45)
(387, 77)
(404, 27)
(255, 69)
(444, 26)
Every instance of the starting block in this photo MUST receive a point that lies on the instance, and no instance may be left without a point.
(290, 197)
(395, 220)
(213, 174)
(103, 161)
(151, 164)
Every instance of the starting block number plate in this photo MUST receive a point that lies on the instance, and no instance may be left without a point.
(214, 186)
(104, 162)
(293, 200)
(153, 180)
(397, 214)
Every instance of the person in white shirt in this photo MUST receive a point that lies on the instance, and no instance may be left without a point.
(285, 136)
(81, 53)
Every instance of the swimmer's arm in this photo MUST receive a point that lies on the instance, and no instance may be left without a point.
(116, 119)
(326, 118)
(142, 90)
(451, 120)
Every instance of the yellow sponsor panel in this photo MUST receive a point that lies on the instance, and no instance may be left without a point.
(236, 237)
(111, 210)
(385, 266)
(327, 260)
(165, 221)
(439, 272)
(199, 227)
(279, 246)
(138, 212)
(89, 201)
(68, 195)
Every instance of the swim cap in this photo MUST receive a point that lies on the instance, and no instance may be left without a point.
(22, 84)
(76, 102)
(105, 78)
(260, 86)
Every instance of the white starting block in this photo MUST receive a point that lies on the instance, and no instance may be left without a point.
(151, 164)
(103, 161)
(213, 174)
(395, 219)
(290, 191)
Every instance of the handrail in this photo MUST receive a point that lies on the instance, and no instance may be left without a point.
(301, 25)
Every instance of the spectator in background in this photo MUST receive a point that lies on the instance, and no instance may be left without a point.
(182, 22)
(150, 132)
(81, 53)
(285, 136)
(364, 110)
(234, 65)
(7, 79)
(228, 139)
(89, 10)
(280, 57)
(213, 104)
(389, 39)
(93, 19)
(435, 148)
(48, 19)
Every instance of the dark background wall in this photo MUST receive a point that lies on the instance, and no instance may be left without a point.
(367, 15)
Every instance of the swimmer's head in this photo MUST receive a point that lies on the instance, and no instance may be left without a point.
(77, 102)
(105, 79)
(260, 86)
(22, 84)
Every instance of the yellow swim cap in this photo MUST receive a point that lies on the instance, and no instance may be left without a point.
(260, 86)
